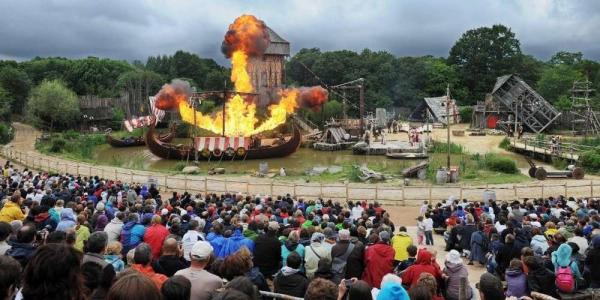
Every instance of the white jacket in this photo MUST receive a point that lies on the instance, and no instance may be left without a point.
(311, 260)
(113, 229)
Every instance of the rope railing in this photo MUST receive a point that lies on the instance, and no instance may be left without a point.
(386, 193)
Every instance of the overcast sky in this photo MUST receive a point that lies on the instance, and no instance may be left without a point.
(136, 29)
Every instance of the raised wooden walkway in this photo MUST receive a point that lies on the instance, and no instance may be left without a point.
(540, 148)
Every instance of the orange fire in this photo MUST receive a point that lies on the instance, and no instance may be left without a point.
(247, 37)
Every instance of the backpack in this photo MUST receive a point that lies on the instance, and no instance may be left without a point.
(565, 280)
(338, 265)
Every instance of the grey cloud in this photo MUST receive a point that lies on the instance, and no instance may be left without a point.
(136, 29)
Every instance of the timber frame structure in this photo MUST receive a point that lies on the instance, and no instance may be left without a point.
(586, 122)
(529, 107)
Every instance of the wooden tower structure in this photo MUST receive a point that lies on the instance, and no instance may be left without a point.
(529, 107)
(268, 72)
(585, 121)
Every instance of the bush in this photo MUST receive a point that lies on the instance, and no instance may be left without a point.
(440, 147)
(466, 112)
(590, 160)
(71, 134)
(501, 164)
(6, 133)
(57, 144)
(504, 144)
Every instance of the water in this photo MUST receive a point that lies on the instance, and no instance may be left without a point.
(296, 164)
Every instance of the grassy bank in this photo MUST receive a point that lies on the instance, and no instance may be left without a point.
(71, 144)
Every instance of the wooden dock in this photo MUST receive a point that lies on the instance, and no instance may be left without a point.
(536, 148)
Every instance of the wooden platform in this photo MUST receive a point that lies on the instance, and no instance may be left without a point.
(522, 147)
(377, 148)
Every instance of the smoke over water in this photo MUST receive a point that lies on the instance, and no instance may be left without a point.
(170, 95)
(313, 97)
(248, 35)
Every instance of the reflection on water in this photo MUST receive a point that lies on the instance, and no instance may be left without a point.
(296, 164)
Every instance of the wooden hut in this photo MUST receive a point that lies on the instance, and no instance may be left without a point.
(434, 110)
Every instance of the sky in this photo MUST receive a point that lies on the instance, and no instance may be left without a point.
(136, 29)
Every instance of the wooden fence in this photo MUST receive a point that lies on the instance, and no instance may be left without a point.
(387, 194)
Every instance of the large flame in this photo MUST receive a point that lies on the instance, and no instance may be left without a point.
(247, 37)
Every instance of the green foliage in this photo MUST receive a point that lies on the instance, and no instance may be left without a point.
(590, 160)
(117, 117)
(139, 82)
(54, 106)
(563, 103)
(331, 109)
(5, 105)
(6, 133)
(466, 112)
(504, 144)
(179, 166)
(566, 58)
(203, 73)
(494, 162)
(57, 144)
(559, 163)
(557, 81)
(440, 147)
(16, 84)
(481, 55)
(96, 76)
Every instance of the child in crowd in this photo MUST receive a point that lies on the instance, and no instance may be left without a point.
(428, 229)
(516, 280)
(113, 256)
(412, 257)
(420, 230)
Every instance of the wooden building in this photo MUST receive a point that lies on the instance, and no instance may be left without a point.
(268, 72)
(434, 110)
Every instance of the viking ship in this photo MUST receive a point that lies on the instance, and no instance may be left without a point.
(138, 141)
(235, 148)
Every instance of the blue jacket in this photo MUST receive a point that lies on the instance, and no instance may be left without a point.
(288, 248)
(234, 243)
(216, 241)
(132, 235)
(67, 220)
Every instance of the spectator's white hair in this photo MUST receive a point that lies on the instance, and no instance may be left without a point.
(344, 235)
(390, 278)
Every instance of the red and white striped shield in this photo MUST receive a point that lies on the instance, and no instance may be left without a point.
(221, 143)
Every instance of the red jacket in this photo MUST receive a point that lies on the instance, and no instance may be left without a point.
(422, 265)
(157, 278)
(379, 260)
(155, 236)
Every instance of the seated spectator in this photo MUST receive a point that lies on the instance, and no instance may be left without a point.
(240, 264)
(155, 236)
(539, 243)
(392, 291)
(5, 232)
(67, 220)
(400, 243)
(292, 245)
(10, 276)
(420, 292)
(317, 250)
(176, 288)
(245, 286)
(422, 265)
(321, 289)
(357, 290)
(11, 211)
(134, 286)
(379, 260)
(170, 260)
(113, 256)
(203, 282)
(290, 280)
(454, 272)
(268, 247)
(24, 248)
(114, 227)
(592, 262)
(95, 248)
(142, 258)
(490, 287)
(516, 280)
(539, 278)
(54, 272)
(429, 281)
(193, 235)
(412, 253)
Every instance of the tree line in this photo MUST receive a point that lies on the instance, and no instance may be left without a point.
(474, 61)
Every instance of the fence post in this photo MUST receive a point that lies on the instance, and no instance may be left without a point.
(430, 190)
(90, 172)
(321, 187)
(542, 190)
(591, 188)
(515, 192)
(115, 174)
(205, 185)
(461, 192)
(130, 176)
(295, 194)
(346, 191)
(403, 199)
(566, 195)
(376, 192)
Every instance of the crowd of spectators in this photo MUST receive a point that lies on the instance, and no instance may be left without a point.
(71, 237)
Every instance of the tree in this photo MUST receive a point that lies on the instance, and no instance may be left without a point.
(298, 74)
(5, 105)
(53, 105)
(557, 81)
(566, 58)
(95, 76)
(16, 83)
(481, 55)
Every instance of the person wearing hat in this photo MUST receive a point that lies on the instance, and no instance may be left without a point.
(317, 250)
(267, 249)
(379, 260)
(203, 282)
(454, 271)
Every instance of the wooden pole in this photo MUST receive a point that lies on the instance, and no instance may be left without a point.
(591, 188)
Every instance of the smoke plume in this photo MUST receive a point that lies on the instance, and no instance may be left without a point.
(313, 97)
(170, 95)
(247, 34)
